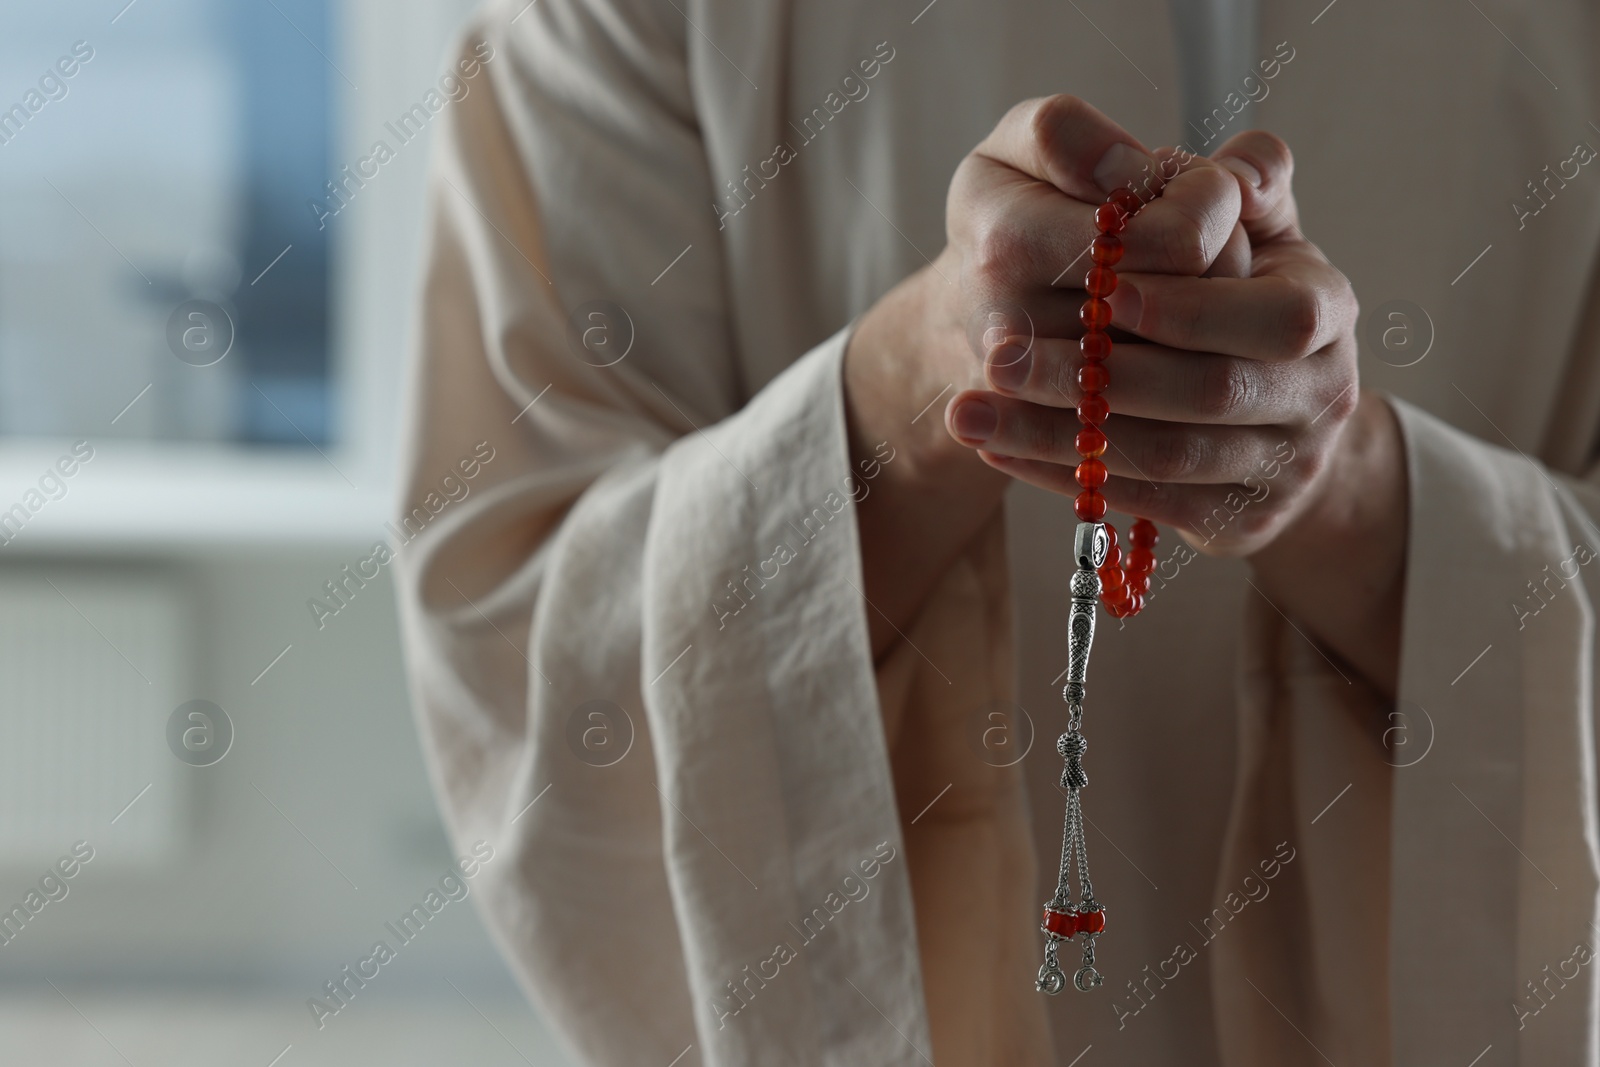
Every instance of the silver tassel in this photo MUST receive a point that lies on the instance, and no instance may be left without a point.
(1091, 544)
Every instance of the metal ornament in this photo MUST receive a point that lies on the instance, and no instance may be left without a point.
(1064, 919)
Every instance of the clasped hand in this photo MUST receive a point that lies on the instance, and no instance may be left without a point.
(1234, 367)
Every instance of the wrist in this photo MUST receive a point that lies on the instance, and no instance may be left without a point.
(1359, 504)
(905, 360)
(1339, 566)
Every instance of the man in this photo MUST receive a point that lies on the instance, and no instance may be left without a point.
(708, 277)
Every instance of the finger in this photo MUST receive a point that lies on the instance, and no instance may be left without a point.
(1297, 309)
(1220, 517)
(1067, 142)
(1142, 448)
(1025, 233)
(1186, 228)
(1150, 450)
(1235, 258)
(1156, 382)
(1265, 169)
(1024, 318)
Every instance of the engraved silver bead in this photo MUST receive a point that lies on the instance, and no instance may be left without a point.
(1085, 585)
(1071, 746)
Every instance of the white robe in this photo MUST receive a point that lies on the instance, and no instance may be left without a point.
(1426, 861)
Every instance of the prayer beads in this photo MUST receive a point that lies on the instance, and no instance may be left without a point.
(1123, 585)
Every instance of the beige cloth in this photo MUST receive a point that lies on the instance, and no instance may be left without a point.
(779, 838)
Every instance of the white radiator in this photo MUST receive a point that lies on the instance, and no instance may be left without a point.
(92, 662)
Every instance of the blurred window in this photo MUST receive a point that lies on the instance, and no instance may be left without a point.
(167, 174)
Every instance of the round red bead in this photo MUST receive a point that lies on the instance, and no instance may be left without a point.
(1144, 534)
(1141, 561)
(1135, 602)
(1138, 582)
(1091, 474)
(1060, 923)
(1111, 581)
(1095, 345)
(1111, 535)
(1109, 218)
(1126, 199)
(1092, 410)
(1091, 442)
(1093, 378)
(1100, 281)
(1106, 249)
(1091, 922)
(1095, 314)
(1090, 506)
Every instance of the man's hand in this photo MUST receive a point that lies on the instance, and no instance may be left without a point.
(1003, 295)
(1228, 407)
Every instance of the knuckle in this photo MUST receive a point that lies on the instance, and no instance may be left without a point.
(1311, 463)
(1180, 314)
(1063, 377)
(1279, 150)
(1050, 117)
(1343, 405)
(1301, 322)
(1225, 389)
(1256, 523)
(1053, 435)
(996, 248)
(1173, 456)
(1349, 303)
(1273, 151)
(1149, 498)
(1034, 437)
(1184, 248)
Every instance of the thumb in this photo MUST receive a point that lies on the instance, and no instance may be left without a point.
(1264, 167)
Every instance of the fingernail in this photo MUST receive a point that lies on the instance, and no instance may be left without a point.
(1120, 166)
(974, 420)
(1243, 170)
(1126, 305)
(1009, 366)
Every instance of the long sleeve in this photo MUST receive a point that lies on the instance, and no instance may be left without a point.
(1494, 832)
(1446, 861)
(636, 643)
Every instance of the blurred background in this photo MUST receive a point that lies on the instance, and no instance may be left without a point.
(201, 364)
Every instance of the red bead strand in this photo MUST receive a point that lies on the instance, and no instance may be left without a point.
(1124, 576)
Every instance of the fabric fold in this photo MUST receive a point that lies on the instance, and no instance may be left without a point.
(1494, 830)
(770, 744)
(643, 679)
